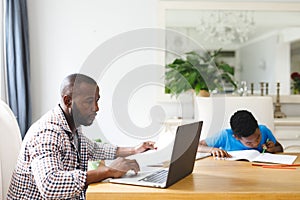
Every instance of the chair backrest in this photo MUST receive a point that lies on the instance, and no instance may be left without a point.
(215, 112)
(10, 145)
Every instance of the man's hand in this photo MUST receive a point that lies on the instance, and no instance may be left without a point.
(128, 151)
(121, 166)
(116, 169)
(145, 146)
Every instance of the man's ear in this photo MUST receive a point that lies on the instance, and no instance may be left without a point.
(67, 100)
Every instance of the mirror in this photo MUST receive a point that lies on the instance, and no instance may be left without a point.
(261, 40)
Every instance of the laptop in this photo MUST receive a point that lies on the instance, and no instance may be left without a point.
(181, 163)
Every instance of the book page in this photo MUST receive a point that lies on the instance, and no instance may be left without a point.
(243, 155)
(275, 158)
(201, 155)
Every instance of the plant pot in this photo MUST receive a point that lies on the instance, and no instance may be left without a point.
(203, 93)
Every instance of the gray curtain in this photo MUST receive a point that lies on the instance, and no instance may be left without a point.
(17, 62)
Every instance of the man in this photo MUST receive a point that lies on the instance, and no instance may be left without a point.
(54, 156)
(244, 134)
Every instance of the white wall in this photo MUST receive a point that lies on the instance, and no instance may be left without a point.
(270, 63)
(63, 34)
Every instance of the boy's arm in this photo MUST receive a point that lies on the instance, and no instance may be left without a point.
(278, 147)
(274, 148)
(272, 145)
(216, 152)
(203, 147)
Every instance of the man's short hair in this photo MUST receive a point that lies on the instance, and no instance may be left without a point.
(72, 80)
(243, 123)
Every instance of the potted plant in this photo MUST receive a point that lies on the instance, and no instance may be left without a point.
(198, 72)
(295, 76)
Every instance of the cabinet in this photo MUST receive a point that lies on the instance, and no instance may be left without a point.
(287, 132)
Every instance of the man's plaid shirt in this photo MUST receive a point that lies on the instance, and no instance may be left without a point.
(49, 165)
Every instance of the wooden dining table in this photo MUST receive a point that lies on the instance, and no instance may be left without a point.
(214, 179)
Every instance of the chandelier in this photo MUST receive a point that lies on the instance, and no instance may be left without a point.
(227, 26)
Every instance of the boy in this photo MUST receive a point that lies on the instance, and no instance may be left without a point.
(244, 134)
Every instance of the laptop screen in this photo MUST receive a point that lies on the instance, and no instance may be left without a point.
(184, 151)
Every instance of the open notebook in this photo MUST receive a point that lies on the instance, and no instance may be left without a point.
(256, 156)
(201, 155)
(181, 163)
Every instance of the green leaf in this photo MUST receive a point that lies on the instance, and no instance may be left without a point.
(226, 68)
(178, 61)
(197, 71)
(197, 88)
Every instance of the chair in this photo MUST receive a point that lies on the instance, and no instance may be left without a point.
(10, 145)
(292, 149)
(216, 111)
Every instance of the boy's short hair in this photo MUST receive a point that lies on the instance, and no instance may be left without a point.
(243, 123)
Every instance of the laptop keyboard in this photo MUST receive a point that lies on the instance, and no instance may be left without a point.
(157, 177)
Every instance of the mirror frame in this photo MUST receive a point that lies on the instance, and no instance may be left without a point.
(163, 6)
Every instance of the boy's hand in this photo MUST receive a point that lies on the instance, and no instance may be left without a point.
(269, 146)
(219, 153)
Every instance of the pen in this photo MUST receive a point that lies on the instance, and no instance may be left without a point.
(265, 147)
(279, 167)
(275, 165)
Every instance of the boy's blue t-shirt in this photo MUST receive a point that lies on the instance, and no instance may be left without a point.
(225, 140)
